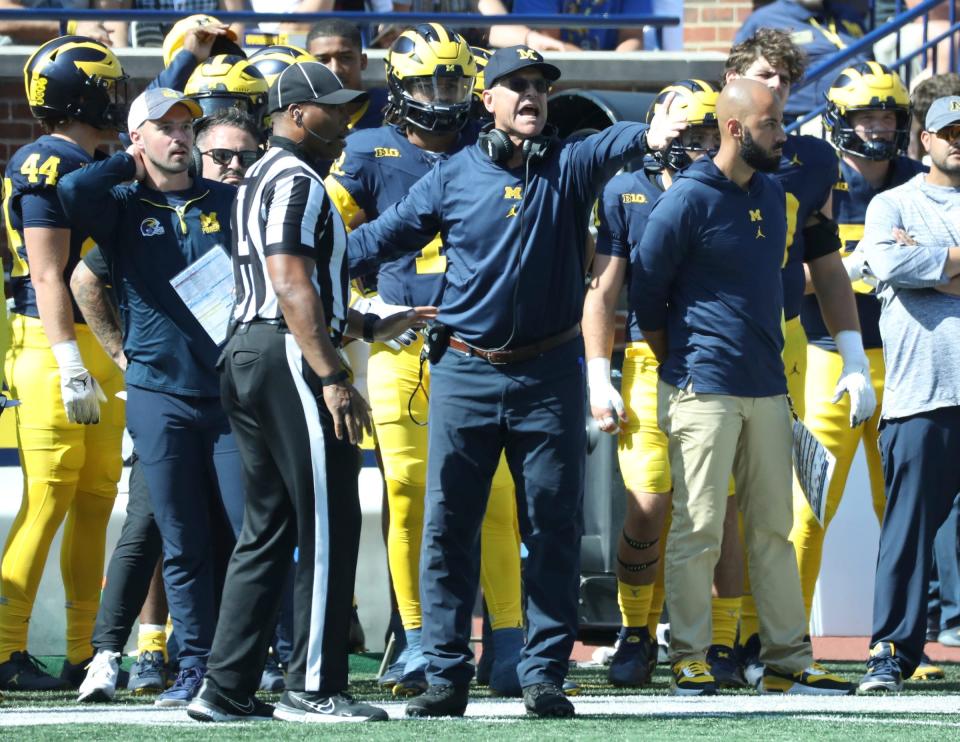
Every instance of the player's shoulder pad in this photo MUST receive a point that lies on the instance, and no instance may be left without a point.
(41, 164)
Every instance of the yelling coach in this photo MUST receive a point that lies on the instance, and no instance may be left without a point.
(296, 417)
(506, 365)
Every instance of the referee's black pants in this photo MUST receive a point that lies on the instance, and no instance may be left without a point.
(301, 485)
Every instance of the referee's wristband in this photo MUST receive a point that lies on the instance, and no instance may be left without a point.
(369, 323)
(337, 378)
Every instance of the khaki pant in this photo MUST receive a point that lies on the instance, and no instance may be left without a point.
(710, 436)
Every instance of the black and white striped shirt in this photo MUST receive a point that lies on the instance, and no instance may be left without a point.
(282, 208)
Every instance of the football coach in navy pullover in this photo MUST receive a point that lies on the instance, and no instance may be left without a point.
(709, 300)
(149, 231)
(506, 364)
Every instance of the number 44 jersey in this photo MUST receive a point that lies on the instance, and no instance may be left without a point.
(30, 200)
(377, 169)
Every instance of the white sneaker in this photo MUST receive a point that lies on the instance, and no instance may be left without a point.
(100, 684)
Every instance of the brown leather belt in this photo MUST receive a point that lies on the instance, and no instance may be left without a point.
(516, 355)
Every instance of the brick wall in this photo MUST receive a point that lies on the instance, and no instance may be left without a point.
(710, 25)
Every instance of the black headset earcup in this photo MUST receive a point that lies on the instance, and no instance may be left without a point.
(496, 144)
(197, 163)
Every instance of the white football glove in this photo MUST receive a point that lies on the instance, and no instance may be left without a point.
(80, 392)
(855, 378)
(606, 404)
(375, 305)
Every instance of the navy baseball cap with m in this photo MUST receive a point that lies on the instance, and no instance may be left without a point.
(512, 59)
(943, 112)
(310, 82)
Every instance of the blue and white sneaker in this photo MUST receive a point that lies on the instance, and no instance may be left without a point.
(883, 670)
(184, 688)
(148, 674)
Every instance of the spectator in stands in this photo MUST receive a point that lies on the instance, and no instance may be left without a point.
(821, 28)
(922, 97)
(621, 40)
(311, 6)
(35, 32)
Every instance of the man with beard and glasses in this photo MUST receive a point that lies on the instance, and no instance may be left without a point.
(149, 231)
(708, 298)
(910, 245)
(228, 143)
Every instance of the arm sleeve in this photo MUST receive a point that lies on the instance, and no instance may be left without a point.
(656, 263)
(611, 224)
(405, 227)
(88, 198)
(176, 75)
(594, 160)
(903, 266)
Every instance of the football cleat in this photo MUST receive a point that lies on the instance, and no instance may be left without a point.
(883, 670)
(630, 666)
(725, 667)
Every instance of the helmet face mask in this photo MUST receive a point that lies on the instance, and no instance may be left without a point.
(430, 78)
(76, 78)
(228, 81)
(867, 86)
(698, 99)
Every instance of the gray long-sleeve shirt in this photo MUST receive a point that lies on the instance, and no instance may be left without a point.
(920, 326)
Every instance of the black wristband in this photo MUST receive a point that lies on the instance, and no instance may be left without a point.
(335, 378)
(369, 322)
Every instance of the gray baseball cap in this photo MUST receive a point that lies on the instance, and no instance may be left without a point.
(153, 103)
(943, 112)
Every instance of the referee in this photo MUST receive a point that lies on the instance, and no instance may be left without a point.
(296, 417)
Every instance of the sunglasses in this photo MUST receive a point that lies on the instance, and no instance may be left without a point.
(520, 84)
(225, 156)
(949, 133)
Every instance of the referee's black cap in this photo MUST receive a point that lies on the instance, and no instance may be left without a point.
(511, 59)
(309, 82)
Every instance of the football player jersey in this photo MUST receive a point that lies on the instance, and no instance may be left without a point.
(808, 170)
(851, 196)
(377, 169)
(621, 218)
(30, 200)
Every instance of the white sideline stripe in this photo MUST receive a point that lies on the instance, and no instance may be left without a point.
(848, 709)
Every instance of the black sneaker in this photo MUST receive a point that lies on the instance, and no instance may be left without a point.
(73, 674)
(212, 704)
(548, 701)
(23, 671)
(725, 667)
(313, 707)
(439, 700)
